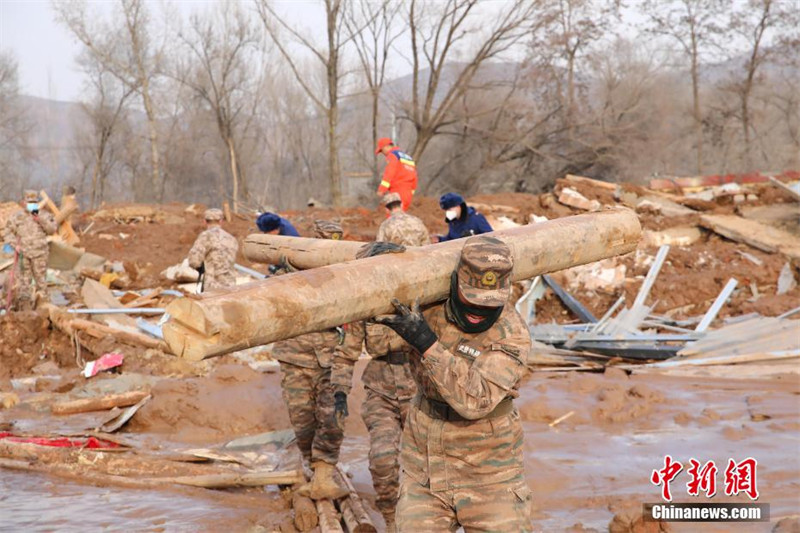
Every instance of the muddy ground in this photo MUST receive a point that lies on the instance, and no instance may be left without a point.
(583, 471)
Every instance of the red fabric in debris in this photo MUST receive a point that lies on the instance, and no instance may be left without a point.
(61, 442)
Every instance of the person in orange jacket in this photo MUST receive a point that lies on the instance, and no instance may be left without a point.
(400, 175)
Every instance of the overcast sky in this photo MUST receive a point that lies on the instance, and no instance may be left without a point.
(46, 51)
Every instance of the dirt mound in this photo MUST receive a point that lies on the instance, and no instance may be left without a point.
(27, 342)
(232, 401)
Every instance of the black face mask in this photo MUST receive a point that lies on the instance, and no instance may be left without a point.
(457, 311)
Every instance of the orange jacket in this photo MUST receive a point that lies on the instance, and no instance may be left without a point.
(400, 175)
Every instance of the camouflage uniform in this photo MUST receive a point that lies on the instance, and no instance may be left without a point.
(405, 229)
(29, 236)
(390, 387)
(215, 249)
(305, 363)
(306, 386)
(462, 452)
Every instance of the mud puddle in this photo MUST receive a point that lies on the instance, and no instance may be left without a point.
(33, 502)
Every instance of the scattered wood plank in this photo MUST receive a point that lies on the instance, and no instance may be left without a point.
(84, 405)
(236, 479)
(65, 229)
(760, 236)
(590, 181)
(97, 330)
(778, 183)
(97, 296)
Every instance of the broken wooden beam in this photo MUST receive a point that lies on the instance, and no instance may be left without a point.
(68, 325)
(766, 238)
(286, 306)
(100, 403)
(65, 230)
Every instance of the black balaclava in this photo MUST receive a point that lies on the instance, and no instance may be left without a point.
(457, 311)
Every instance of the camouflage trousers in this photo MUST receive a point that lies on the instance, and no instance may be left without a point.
(308, 395)
(29, 270)
(501, 507)
(385, 420)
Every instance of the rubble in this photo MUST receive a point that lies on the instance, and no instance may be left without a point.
(715, 306)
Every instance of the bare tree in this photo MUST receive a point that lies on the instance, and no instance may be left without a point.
(104, 111)
(439, 32)
(760, 24)
(696, 26)
(329, 57)
(373, 46)
(220, 74)
(127, 50)
(14, 126)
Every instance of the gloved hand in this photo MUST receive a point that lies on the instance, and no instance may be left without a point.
(340, 408)
(410, 325)
(201, 269)
(286, 265)
(374, 248)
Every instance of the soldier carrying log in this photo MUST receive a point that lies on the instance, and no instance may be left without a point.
(462, 450)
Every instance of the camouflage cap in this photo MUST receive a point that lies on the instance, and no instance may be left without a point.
(31, 196)
(484, 271)
(391, 197)
(213, 215)
(328, 229)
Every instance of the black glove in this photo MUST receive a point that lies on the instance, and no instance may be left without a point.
(340, 408)
(411, 326)
(201, 269)
(374, 248)
(274, 269)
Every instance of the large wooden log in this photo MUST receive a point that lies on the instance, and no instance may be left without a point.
(301, 252)
(286, 306)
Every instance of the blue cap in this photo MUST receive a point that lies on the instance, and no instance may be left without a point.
(268, 222)
(450, 199)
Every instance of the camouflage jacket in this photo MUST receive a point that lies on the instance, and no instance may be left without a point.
(216, 249)
(314, 349)
(30, 232)
(472, 373)
(393, 381)
(405, 229)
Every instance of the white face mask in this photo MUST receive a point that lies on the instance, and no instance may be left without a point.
(451, 214)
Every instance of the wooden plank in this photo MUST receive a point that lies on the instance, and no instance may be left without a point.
(65, 229)
(760, 236)
(98, 296)
(84, 405)
(354, 511)
(785, 187)
(236, 479)
(593, 182)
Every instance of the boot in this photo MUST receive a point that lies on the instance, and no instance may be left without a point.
(323, 486)
(388, 517)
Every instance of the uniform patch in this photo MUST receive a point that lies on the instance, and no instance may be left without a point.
(468, 350)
